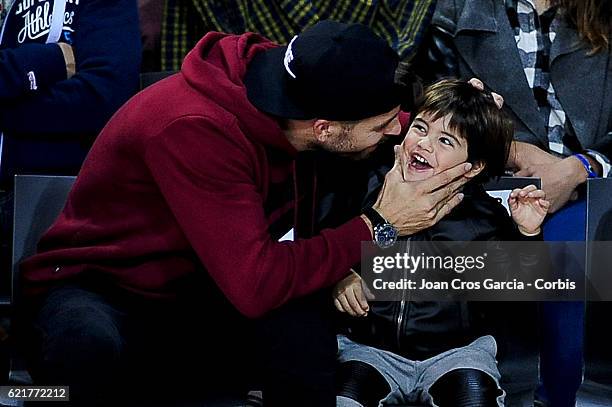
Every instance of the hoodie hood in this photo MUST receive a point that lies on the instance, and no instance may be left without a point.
(215, 69)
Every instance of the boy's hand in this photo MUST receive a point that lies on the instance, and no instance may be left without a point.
(351, 295)
(528, 207)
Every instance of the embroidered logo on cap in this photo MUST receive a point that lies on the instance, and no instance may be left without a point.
(289, 57)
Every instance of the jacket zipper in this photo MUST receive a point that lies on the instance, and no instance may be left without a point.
(400, 316)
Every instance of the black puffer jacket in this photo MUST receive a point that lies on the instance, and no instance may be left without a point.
(421, 329)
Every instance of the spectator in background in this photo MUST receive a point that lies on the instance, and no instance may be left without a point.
(3, 9)
(551, 61)
(401, 24)
(151, 13)
(61, 79)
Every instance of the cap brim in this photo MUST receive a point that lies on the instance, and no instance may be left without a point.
(266, 81)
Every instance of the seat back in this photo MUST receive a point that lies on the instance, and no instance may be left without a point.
(598, 340)
(38, 201)
(149, 78)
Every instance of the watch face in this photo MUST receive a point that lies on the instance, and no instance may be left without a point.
(386, 236)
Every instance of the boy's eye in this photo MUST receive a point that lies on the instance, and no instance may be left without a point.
(419, 128)
(447, 141)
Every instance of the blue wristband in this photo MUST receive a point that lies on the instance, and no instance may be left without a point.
(587, 165)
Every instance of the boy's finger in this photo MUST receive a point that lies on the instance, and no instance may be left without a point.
(530, 188)
(345, 305)
(361, 299)
(338, 305)
(352, 300)
(537, 194)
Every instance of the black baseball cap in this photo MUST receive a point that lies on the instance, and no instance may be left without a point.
(331, 71)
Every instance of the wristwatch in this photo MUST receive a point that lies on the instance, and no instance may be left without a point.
(385, 234)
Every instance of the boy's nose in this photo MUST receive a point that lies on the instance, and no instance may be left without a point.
(425, 144)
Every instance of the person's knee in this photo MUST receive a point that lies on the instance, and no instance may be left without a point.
(361, 384)
(465, 388)
(78, 342)
(299, 334)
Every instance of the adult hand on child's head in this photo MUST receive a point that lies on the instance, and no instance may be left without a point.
(477, 83)
(528, 207)
(351, 295)
(497, 98)
(411, 206)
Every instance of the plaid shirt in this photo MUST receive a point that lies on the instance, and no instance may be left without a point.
(534, 36)
(401, 22)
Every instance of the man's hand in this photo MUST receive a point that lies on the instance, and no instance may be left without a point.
(559, 179)
(528, 207)
(68, 53)
(411, 206)
(351, 295)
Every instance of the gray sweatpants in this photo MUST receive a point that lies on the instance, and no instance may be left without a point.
(410, 380)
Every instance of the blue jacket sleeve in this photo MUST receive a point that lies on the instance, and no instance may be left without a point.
(44, 61)
(107, 51)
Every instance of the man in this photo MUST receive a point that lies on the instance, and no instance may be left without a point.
(174, 221)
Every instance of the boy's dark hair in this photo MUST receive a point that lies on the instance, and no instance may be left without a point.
(475, 116)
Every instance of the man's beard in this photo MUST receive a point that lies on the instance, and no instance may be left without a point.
(343, 150)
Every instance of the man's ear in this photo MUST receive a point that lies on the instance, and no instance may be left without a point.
(477, 168)
(321, 130)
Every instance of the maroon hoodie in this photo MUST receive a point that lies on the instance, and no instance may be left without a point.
(180, 181)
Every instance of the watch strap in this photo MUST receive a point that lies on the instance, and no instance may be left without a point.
(374, 217)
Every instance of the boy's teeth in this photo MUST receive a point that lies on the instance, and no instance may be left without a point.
(421, 159)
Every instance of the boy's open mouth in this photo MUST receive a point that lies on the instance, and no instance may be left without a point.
(419, 163)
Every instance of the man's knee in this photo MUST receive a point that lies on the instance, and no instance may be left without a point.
(301, 332)
(82, 331)
(465, 388)
(75, 341)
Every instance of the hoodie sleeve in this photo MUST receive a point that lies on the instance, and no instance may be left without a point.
(208, 181)
(28, 68)
(107, 51)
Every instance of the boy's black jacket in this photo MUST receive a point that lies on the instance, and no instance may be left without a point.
(421, 329)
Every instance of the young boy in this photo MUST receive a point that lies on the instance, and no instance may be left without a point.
(422, 351)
